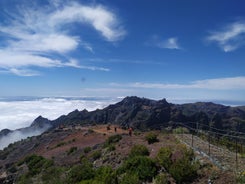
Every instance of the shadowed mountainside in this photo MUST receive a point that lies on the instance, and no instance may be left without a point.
(144, 114)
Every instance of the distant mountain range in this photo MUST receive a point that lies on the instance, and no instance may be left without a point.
(144, 114)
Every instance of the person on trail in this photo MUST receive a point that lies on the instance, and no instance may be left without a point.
(130, 130)
(115, 128)
(108, 127)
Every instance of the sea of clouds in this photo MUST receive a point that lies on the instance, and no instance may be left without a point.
(17, 113)
(20, 112)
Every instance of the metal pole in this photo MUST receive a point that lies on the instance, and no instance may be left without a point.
(192, 140)
(236, 155)
(209, 143)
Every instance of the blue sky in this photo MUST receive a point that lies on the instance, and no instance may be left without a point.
(174, 49)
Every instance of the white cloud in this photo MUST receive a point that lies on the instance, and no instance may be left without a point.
(169, 43)
(99, 17)
(32, 36)
(211, 84)
(230, 37)
(18, 114)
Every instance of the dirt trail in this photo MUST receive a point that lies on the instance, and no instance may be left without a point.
(221, 157)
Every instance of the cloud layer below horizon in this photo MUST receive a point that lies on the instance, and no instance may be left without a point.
(19, 114)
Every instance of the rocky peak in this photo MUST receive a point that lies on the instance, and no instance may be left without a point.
(40, 122)
(4, 132)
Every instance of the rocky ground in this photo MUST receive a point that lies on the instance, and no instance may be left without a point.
(58, 143)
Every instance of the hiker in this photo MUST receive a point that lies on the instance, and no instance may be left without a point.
(130, 131)
(108, 127)
(115, 128)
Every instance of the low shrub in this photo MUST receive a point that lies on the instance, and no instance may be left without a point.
(151, 138)
(60, 144)
(111, 148)
(96, 155)
(241, 177)
(37, 163)
(181, 130)
(129, 179)
(139, 150)
(163, 157)
(141, 166)
(161, 178)
(183, 170)
(81, 172)
(87, 149)
(113, 139)
(184, 167)
(53, 175)
(71, 150)
(105, 174)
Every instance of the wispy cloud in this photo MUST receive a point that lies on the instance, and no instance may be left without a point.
(211, 84)
(230, 37)
(169, 43)
(33, 36)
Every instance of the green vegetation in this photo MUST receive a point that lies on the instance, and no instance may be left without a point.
(179, 163)
(37, 163)
(170, 164)
(139, 150)
(129, 178)
(71, 150)
(241, 177)
(110, 142)
(151, 138)
(53, 175)
(113, 139)
(181, 130)
(163, 157)
(60, 144)
(87, 149)
(81, 172)
(96, 154)
(111, 148)
(161, 178)
(141, 166)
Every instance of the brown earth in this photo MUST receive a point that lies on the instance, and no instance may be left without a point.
(57, 144)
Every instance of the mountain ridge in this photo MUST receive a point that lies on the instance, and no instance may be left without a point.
(144, 113)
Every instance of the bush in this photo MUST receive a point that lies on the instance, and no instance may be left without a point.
(181, 130)
(71, 150)
(87, 149)
(96, 155)
(141, 166)
(183, 168)
(113, 139)
(24, 179)
(111, 148)
(139, 150)
(151, 138)
(105, 174)
(37, 163)
(161, 178)
(164, 157)
(81, 172)
(241, 177)
(53, 175)
(60, 144)
(129, 179)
